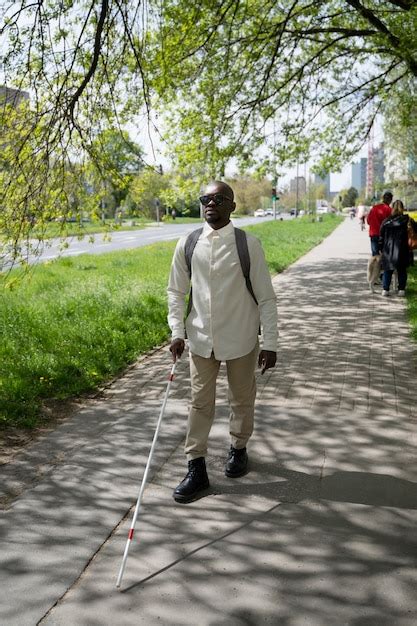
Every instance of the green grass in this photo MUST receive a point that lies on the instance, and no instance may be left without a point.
(295, 238)
(76, 322)
(411, 293)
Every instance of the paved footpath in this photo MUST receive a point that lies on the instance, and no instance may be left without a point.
(320, 532)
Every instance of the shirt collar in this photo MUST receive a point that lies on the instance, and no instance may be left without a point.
(226, 231)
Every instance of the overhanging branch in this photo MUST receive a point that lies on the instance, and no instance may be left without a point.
(397, 49)
(94, 62)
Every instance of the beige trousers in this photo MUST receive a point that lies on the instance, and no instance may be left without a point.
(241, 395)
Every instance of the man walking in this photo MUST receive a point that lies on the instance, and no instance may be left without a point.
(375, 218)
(222, 325)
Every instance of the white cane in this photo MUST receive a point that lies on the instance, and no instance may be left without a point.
(142, 487)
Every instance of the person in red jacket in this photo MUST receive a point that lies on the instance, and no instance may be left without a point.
(376, 216)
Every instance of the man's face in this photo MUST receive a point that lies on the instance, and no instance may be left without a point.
(218, 205)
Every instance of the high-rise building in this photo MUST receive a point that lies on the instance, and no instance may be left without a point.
(359, 174)
(320, 180)
(298, 185)
(379, 166)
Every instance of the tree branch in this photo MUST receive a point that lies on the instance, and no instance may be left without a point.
(382, 28)
(403, 4)
(94, 63)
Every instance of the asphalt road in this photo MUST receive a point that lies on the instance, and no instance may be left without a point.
(119, 240)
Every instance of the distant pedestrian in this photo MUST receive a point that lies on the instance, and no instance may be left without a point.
(376, 216)
(222, 325)
(396, 253)
(173, 214)
(362, 213)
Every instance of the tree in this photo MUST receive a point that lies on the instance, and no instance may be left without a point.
(400, 130)
(182, 194)
(219, 72)
(250, 193)
(115, 159)
(145, 189)
(320, 70)
(35, 187)
(349, 197)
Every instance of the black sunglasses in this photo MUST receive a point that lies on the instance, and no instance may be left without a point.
(217, 198)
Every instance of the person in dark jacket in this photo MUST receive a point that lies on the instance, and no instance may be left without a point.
(393, 243)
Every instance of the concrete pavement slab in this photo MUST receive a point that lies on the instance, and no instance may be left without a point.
(321, 531)
(70, 504)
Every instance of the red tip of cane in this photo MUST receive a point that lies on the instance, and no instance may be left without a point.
(171, 377)
(130, 535)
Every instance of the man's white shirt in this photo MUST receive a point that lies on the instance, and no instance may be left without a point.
(224, 318)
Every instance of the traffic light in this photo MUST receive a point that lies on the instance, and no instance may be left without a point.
(274, 193)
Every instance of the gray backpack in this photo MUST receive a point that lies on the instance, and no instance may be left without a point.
(242, 250)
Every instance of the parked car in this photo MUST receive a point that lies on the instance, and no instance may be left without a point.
(260, 213)
(269, 211)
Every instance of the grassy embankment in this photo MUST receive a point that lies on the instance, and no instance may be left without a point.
(412, 298)
(78, 321)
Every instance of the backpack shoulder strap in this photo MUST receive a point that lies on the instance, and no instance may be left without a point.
(244, 258)
(190, 244)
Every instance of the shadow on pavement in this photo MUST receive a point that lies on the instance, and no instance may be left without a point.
(321, 532)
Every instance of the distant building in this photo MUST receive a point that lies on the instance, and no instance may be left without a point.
(319, 180)
(298, 185)
(12, 96)
(379, 166)
(358, 180)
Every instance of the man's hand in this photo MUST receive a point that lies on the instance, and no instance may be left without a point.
(266, 360)
(177, 348)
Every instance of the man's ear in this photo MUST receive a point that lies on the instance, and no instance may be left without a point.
(233, 206)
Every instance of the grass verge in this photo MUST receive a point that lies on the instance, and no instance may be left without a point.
(76, 322)
(412, 299)
(285, 242)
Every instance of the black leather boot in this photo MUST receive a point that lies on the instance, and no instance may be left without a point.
(237, 462)
(195, 481)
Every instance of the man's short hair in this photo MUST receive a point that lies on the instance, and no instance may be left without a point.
(223, 184)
